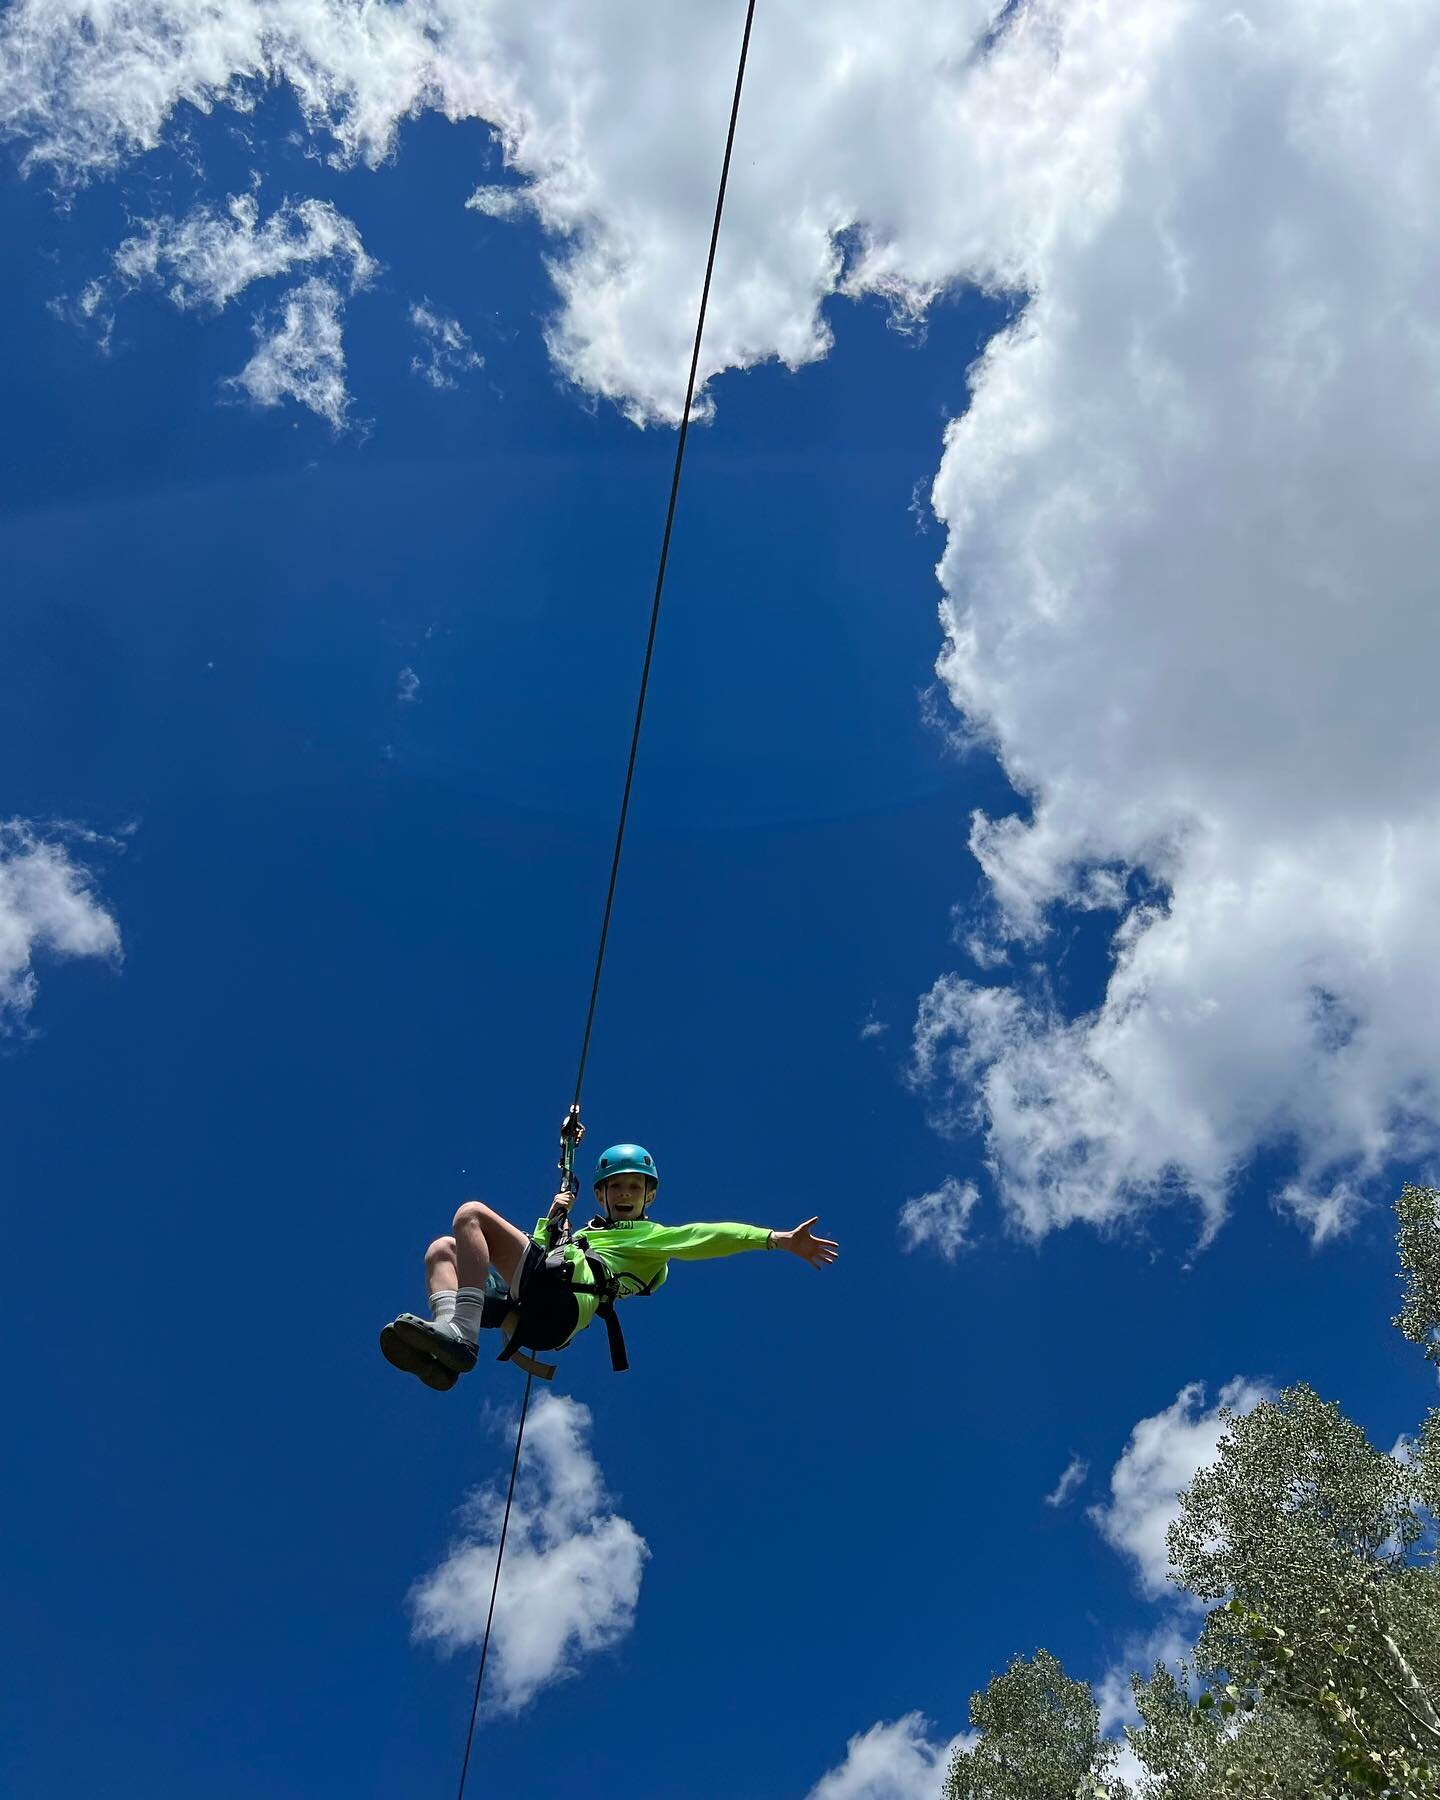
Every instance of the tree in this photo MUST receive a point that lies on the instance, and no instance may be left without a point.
(1419, 1243)
(1321, 1550)
(1336, 1689)
(1319, 1661)
(1040, 1739)
(1299, 1513)
(1240, 1748)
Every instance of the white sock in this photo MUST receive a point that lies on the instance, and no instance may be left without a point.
(442, 1305)
(466, 1317)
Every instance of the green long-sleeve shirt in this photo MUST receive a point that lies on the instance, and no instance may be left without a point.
(638, 1252)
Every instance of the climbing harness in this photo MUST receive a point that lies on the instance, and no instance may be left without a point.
(559, 1267)
(572, 1131)
(559, 1264)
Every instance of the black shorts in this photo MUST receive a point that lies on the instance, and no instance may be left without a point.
(549, 1312)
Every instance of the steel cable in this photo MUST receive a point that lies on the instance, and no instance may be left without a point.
(625, 796)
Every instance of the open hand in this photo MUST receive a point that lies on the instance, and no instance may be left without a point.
(817, 1251)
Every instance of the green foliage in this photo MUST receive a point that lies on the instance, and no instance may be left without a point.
(1298, 1513)
(1228, 1745)
(1425, 1459)
(1313, 1534)
(1321, 1652)
(1375, 1716)
(1040, 1739)
(1419, 1242)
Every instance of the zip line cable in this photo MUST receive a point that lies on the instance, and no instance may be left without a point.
(624, 798)
(494, 1588)
(664, 551)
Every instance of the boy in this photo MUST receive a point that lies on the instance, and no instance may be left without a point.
(552, 1294)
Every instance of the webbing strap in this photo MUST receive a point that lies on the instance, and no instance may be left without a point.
(532, 1365)
(619, 1361)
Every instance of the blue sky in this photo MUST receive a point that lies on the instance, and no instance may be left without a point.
(346, 712)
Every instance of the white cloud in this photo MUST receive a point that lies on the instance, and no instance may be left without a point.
(622, 173)
(985, 953)
(407, 686)
(940, 1219)
(449, 353)
(1188, 584)
(1187, 588)
(300, 355)
(499, 202)
(571, 1576)
(899, 1761)
(1071, 1477)
(1162, 1458)
(48, 906)
(92, 309)
(207, 258)
(1328, 1215)
(1128, 1768)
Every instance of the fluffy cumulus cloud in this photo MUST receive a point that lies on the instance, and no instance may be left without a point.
(300, 354)
(572, 1565)
(1188, 592)
(1186, 580)
(898, 1761)
(48, 907)
(1161, 1459)
(940, 1220)
(896, 158)
(446, 351)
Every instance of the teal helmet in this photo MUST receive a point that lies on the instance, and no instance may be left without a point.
(626, 1159)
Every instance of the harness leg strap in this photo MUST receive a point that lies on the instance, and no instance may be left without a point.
(541, 1371)
(619, 1361)
(513, 1353)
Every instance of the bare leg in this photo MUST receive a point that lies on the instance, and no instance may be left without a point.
(440, 1271)
(408, 1343)
(481, 1238)
(440, 1351)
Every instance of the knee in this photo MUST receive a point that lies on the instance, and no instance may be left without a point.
(442, 1250)
(473, 1214)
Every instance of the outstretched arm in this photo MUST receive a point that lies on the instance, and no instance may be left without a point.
(802, 1242)
(694, 1243)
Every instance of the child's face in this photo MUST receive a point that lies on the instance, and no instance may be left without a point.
(625, 1196)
